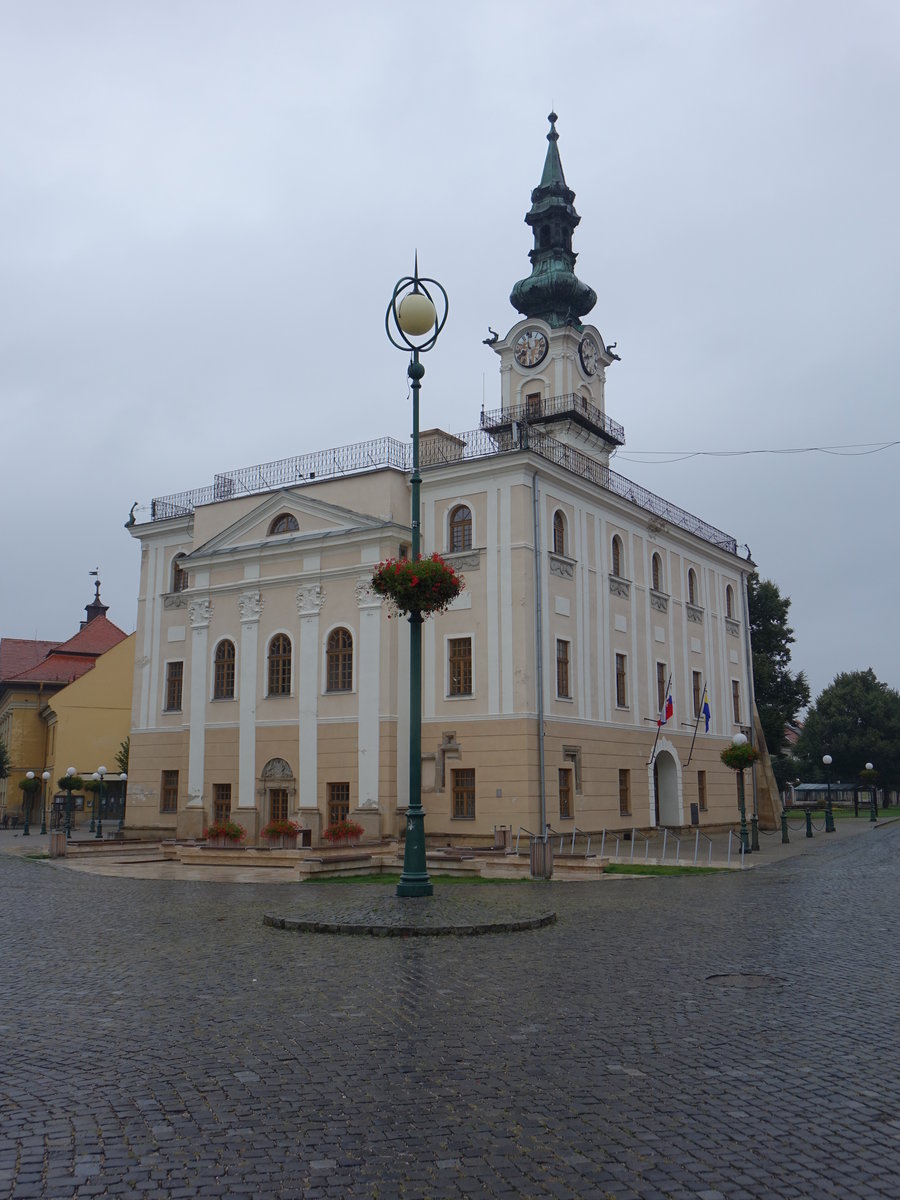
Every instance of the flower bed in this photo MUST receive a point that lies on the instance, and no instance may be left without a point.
(343, 833)
(423, 587)
(225, 833)
(285, 833)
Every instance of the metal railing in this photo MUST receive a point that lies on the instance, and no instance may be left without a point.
(568, 405)
(388, 452)
(706, 839)
(676, 839)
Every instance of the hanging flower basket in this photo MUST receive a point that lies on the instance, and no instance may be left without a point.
(738, 758)
(424, 587)
(225, 833)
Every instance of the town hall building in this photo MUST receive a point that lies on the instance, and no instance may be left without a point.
(568, 685)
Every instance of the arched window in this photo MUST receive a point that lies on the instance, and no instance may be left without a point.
(559, 532)
(729, 601)
(280, 665)
(461, 528)
(339, 661)
(223, 671)
(692, 586)
(179, 574)
(656, 574)
(283, 523)
(618, 557)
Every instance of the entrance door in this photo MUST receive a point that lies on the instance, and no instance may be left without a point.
(278, 804)
(665, 778)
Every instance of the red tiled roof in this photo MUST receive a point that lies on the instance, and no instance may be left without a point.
(21, 654)
(57, 668)
(97, 637)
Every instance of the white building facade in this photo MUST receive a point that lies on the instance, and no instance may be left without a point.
(270, 680)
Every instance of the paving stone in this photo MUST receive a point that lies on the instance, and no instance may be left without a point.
(201, 1053)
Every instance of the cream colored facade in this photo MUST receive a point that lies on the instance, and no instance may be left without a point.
(585, 595)
(88, 721)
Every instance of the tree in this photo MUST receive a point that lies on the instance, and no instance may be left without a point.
(4, 760)
(779, 694)
(856, 720)
(122, 756)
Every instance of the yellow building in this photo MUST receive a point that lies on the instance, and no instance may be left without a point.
(39, 703)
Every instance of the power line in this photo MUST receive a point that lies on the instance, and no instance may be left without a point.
(851, 451)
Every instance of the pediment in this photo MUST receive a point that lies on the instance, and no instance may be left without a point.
(315, 520)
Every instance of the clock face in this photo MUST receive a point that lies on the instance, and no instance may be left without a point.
(589, 353)
(531, 348)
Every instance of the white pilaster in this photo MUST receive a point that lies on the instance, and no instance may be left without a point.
(199, 612)
(368, 691)
(251, 605)
(310, 599)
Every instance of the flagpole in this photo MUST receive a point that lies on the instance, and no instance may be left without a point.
(659, 722)
(696, 726)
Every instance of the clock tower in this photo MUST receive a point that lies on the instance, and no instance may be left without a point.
(552, 366)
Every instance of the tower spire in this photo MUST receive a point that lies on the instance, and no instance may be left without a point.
(553, 291)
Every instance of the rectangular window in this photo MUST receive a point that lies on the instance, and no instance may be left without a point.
(572, 755)
(174, 686)
(278, 804)
(464, 793)
(701, 790)
(662, 678)
(736, 700)
(168, 792)
(338, 802)
(565, 793)
(621, 682)
(460, 663)
(221, 801)
(624, 793)
(533, 405)
(697, 691)
(562, 669)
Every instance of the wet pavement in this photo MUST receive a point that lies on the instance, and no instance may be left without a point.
(726, 1035)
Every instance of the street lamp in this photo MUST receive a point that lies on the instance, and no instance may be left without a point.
(740, 740)
(829, 815)
(29, 791)
(124, 780)
(98, 775)
(70, 775)
(412, 314)
(873, 803)
(45, 777)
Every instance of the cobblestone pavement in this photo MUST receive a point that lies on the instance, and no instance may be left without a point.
(730, 1035)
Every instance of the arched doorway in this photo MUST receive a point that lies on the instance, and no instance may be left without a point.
(277, 791)
(667, 789)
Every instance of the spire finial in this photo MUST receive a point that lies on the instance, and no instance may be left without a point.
(552, 136)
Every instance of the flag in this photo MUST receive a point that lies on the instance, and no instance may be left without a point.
(669, 710)
(705, 709)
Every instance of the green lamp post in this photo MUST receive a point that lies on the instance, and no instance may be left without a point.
(738, 756)
(99, 775)
(413, 324)
(45, 779)
(29, 785)
(829, 814)
(870, 775)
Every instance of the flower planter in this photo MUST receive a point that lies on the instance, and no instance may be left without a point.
(285, 842)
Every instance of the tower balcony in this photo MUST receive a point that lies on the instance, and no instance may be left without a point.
(549, 410)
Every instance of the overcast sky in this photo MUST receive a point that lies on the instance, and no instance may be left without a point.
(204, 207)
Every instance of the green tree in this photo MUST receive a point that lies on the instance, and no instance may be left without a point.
(122, 756)
(780, 694)
(4, 760)
(856, 720)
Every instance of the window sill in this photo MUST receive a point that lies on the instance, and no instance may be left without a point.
(460, 696)
(566, 699)
(472, 818)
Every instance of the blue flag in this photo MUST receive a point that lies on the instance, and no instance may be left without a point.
(705, 709)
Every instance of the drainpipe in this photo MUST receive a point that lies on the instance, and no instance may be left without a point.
(751, 692)
(539, 646)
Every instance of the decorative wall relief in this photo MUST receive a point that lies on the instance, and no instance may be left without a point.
(619, 587)
(694, 614)
(310, 599)
(200, 612)
(563, 567)
(251, 604)
(659, 602)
